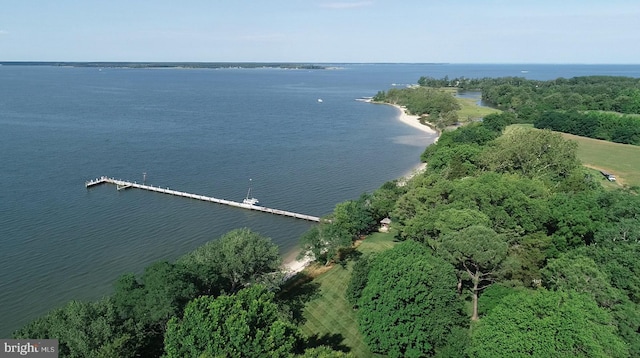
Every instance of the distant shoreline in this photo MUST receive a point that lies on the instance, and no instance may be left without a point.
(176, 65)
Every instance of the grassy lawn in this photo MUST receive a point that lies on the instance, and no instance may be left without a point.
(470, 109)
(621, 160)
(328, 316)
(377, 242)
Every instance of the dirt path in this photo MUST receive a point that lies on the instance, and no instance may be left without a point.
(619, 180)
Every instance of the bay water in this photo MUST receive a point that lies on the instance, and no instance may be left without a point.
(203, 131)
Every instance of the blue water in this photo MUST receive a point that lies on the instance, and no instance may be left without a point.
(202, 131)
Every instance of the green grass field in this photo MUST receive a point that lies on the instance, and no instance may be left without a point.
(328, 316)
(621, 160)
(470, 109)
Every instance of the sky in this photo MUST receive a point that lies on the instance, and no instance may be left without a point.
(322, 31)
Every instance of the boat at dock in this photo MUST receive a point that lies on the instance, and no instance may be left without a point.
(249, 199)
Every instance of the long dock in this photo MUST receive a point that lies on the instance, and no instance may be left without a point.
(123, 184)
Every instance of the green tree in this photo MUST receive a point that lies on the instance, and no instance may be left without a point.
(84, 329)
(514, 205)
(161, 293)
(454, 161)
(620, 262)
(581, 274)
(622, 230)
(240, 257)
(324, 242)
(477, 252)
(547, 324)
(145, 305)
(383, 200)
(358, 280)
(527, 255)
(451, 220)
(493, 296)
(353, 217)
(498, 121)
(409, 306)
(536, 154)
(626, 316)
(574, 219)
(425, 193)
(247, 324)
(349, 220)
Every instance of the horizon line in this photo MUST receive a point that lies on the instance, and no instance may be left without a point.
(308, 62)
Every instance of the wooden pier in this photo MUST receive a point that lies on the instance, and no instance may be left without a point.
(123, 184)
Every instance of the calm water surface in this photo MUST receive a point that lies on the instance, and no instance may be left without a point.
(201, 131)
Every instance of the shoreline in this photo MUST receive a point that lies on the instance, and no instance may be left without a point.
(294, 266)
(411, 120)
(290, 265)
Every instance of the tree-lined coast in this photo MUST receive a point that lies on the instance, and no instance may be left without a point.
(505, 245)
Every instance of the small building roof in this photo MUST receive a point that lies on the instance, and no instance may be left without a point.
(385, 221)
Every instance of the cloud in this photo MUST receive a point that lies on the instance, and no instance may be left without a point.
(346, 5)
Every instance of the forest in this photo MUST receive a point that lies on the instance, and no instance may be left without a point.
(504, 246)
(434, 105)
(601, 107)
(599, 125)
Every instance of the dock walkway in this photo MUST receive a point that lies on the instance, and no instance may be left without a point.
(123, 184)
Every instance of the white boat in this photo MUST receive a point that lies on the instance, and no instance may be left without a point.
(248, 199)
(320, 100)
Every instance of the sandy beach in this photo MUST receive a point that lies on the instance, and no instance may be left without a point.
(293, 267)
(411, 120)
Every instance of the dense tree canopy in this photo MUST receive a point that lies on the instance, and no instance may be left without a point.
(580, 105)
(161, 293)
(508, 203)
(547, 324)
(477, 252)
(599, 125)
(534, 154)
(90, 329)
(409, 305)
(581, 274)
(337, 232)
(240, 257)
(603, 93)
(359, 279)
(323, 243)
(145, 304)
(437, 106)
(421, 100)
(247, 324)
